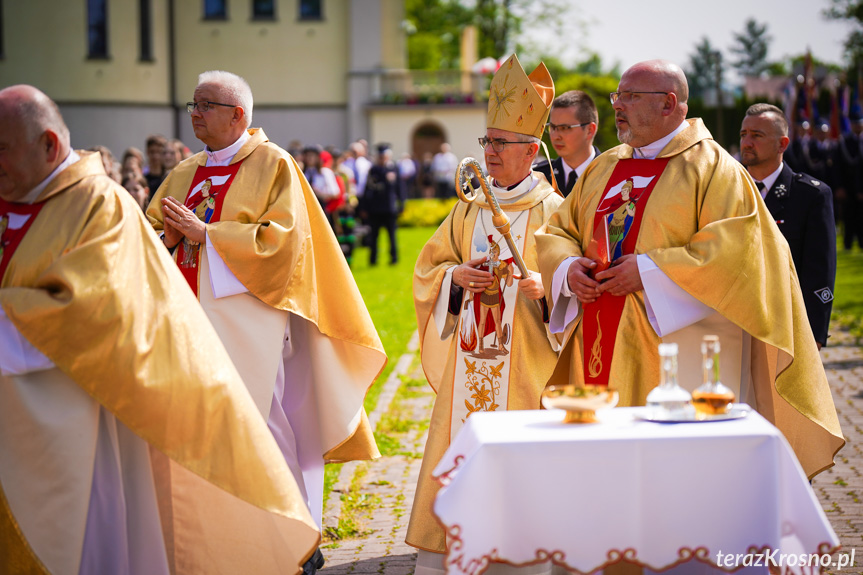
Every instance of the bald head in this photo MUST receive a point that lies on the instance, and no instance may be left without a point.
(667, 76)
(36, 111)
(652, 103)
(34, 140)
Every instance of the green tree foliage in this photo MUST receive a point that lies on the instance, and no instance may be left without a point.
(702, 69)
(500, 25)
(425, 51)
(495, 22)
(436, 25)
(850, 11)
(750, 47)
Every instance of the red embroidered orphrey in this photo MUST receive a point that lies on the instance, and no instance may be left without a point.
(200, 193)
(601, 318)
(11, 238)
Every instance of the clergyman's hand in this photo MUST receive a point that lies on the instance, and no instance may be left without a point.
(582, 286)
(173, 236)
(622, 278)
(531, 286)
(470, 277)
(184, 220)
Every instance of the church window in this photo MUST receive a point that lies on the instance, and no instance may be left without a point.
(1, 30)
(146, 45)
(311, 9)
(263, 9)
(215, 9)
(97, 28)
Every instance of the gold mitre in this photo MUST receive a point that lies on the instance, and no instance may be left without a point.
(517, 102)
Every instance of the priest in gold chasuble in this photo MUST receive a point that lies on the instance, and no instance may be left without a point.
(694, 251)
(484, 343)
(128, 442)
(251, 239)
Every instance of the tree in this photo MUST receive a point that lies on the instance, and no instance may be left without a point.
(501, 25)
(704, 67)
(751, 49)
(433, 40)
(852, 11)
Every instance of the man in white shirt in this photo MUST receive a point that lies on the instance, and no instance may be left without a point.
(801, 206)
(571, 127)
(444, 165)
(687, 267)
(255, 246)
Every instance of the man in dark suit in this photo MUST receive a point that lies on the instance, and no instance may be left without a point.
(571, 127)
(802, 207)
(382, 202)
(851, 190)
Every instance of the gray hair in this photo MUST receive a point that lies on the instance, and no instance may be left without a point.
(237, 91)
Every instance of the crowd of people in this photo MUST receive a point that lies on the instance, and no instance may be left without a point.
(339, 179)
(209, 370)
(836, 160)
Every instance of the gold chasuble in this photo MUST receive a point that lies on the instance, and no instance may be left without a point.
(496, 355)
(706, 227)
(269, 229)
(91, 287)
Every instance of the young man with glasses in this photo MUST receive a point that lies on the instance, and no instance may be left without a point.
(476, 317)
(572, 126)
(252, 240)
(700, 255)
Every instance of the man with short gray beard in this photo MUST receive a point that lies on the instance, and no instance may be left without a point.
(666, 239)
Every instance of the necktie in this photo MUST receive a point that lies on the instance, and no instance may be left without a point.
(570, 181)
(761, 188)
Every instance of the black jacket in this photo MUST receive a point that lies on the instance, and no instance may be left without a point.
(384, 193)
(803, 209)
(557, 166)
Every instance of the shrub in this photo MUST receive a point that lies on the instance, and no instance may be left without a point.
(425, 212)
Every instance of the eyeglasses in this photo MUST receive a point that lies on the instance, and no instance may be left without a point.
(204, 106)
(627, 96)
(565, 128)
(497, 145)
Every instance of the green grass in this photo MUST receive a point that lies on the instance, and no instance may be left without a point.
(357, 508)
(398, 421)
(848, 305)
(388, 293)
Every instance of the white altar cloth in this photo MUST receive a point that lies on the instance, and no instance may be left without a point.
(522, 487)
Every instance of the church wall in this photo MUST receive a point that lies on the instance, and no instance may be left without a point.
(286, 61)
(461, 126)
(116, 126)
(323, 125)
(45, 45)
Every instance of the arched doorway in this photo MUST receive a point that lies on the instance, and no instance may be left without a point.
(427, 138)
(425, 143)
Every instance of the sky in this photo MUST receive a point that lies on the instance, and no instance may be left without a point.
(629, 31)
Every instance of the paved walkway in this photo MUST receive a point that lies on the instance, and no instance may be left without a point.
(841, 487)
(377, 496)
(387, 485)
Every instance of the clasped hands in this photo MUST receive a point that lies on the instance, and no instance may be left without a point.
(621, 278)
(473, 278)
(181, 222)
